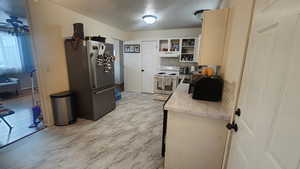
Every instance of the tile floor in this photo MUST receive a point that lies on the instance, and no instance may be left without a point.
(127, 138)
(20, 121)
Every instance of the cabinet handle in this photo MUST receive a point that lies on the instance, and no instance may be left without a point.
(105, 90)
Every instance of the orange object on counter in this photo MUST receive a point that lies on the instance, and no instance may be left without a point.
(208, 72)
(205, 72)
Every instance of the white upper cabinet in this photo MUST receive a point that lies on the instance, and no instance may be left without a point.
(169, 47)
(189, 50)
(185, 49)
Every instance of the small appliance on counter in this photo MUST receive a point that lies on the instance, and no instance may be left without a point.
(208, 88)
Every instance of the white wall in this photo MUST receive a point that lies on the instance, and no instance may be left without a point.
(164, 33)
(50, 24)
(132, 61)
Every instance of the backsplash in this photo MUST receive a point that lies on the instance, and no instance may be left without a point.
(174, 62)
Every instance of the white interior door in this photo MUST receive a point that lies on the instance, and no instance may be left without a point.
(132, 70)
(148, 64)
(268, 135)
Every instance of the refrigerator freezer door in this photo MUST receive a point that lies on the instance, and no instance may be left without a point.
(103, 102)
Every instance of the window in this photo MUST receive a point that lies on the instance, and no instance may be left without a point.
(10, 57)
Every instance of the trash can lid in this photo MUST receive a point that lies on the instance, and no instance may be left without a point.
(62, 94)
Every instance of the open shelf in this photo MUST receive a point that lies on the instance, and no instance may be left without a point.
(175, 45)
(188, 50)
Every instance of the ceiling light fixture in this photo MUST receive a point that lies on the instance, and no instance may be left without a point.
(149, 19)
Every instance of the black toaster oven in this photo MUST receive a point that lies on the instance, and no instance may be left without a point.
(207, 88)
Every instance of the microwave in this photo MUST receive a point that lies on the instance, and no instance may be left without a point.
(208, 88)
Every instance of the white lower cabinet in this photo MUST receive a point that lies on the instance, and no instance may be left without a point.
(194, 142)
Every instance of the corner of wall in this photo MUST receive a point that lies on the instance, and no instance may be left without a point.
(224, 4)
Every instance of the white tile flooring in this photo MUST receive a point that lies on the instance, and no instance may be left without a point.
(20, 121)
(127, 138)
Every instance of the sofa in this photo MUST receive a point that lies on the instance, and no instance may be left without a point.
(9, 85)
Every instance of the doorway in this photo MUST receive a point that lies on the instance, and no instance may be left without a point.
(119, 64)
(20, 114)
(148, 65)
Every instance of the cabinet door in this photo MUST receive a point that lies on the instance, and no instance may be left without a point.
(213, 37)
(188, 50)
(174, 45)
(164, 46)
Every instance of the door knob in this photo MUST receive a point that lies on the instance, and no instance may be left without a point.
(142, 70)
(238, 112)
(232, 126)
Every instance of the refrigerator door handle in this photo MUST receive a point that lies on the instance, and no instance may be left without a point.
(105, 90)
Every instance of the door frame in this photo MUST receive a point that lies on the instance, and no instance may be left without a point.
(42, 68)
(47, 117)
(237, 95)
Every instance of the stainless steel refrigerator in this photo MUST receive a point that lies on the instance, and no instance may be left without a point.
(91, 77)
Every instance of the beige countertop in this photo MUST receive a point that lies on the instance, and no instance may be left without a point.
(183, 102)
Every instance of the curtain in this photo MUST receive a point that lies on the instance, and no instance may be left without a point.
(15, 53)
(25, 47)
(10, 58)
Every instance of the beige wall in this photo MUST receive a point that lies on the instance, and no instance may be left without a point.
(165, 33)
(226, 4)
(50, 24)
(235, 47)
(47, 12)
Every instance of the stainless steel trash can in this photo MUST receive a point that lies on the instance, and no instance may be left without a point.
(63, 108)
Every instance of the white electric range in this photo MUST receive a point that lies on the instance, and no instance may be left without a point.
(166, 80)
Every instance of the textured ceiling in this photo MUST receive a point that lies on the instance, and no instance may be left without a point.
(127, 14)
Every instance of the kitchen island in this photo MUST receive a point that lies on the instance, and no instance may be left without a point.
(196, 132)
